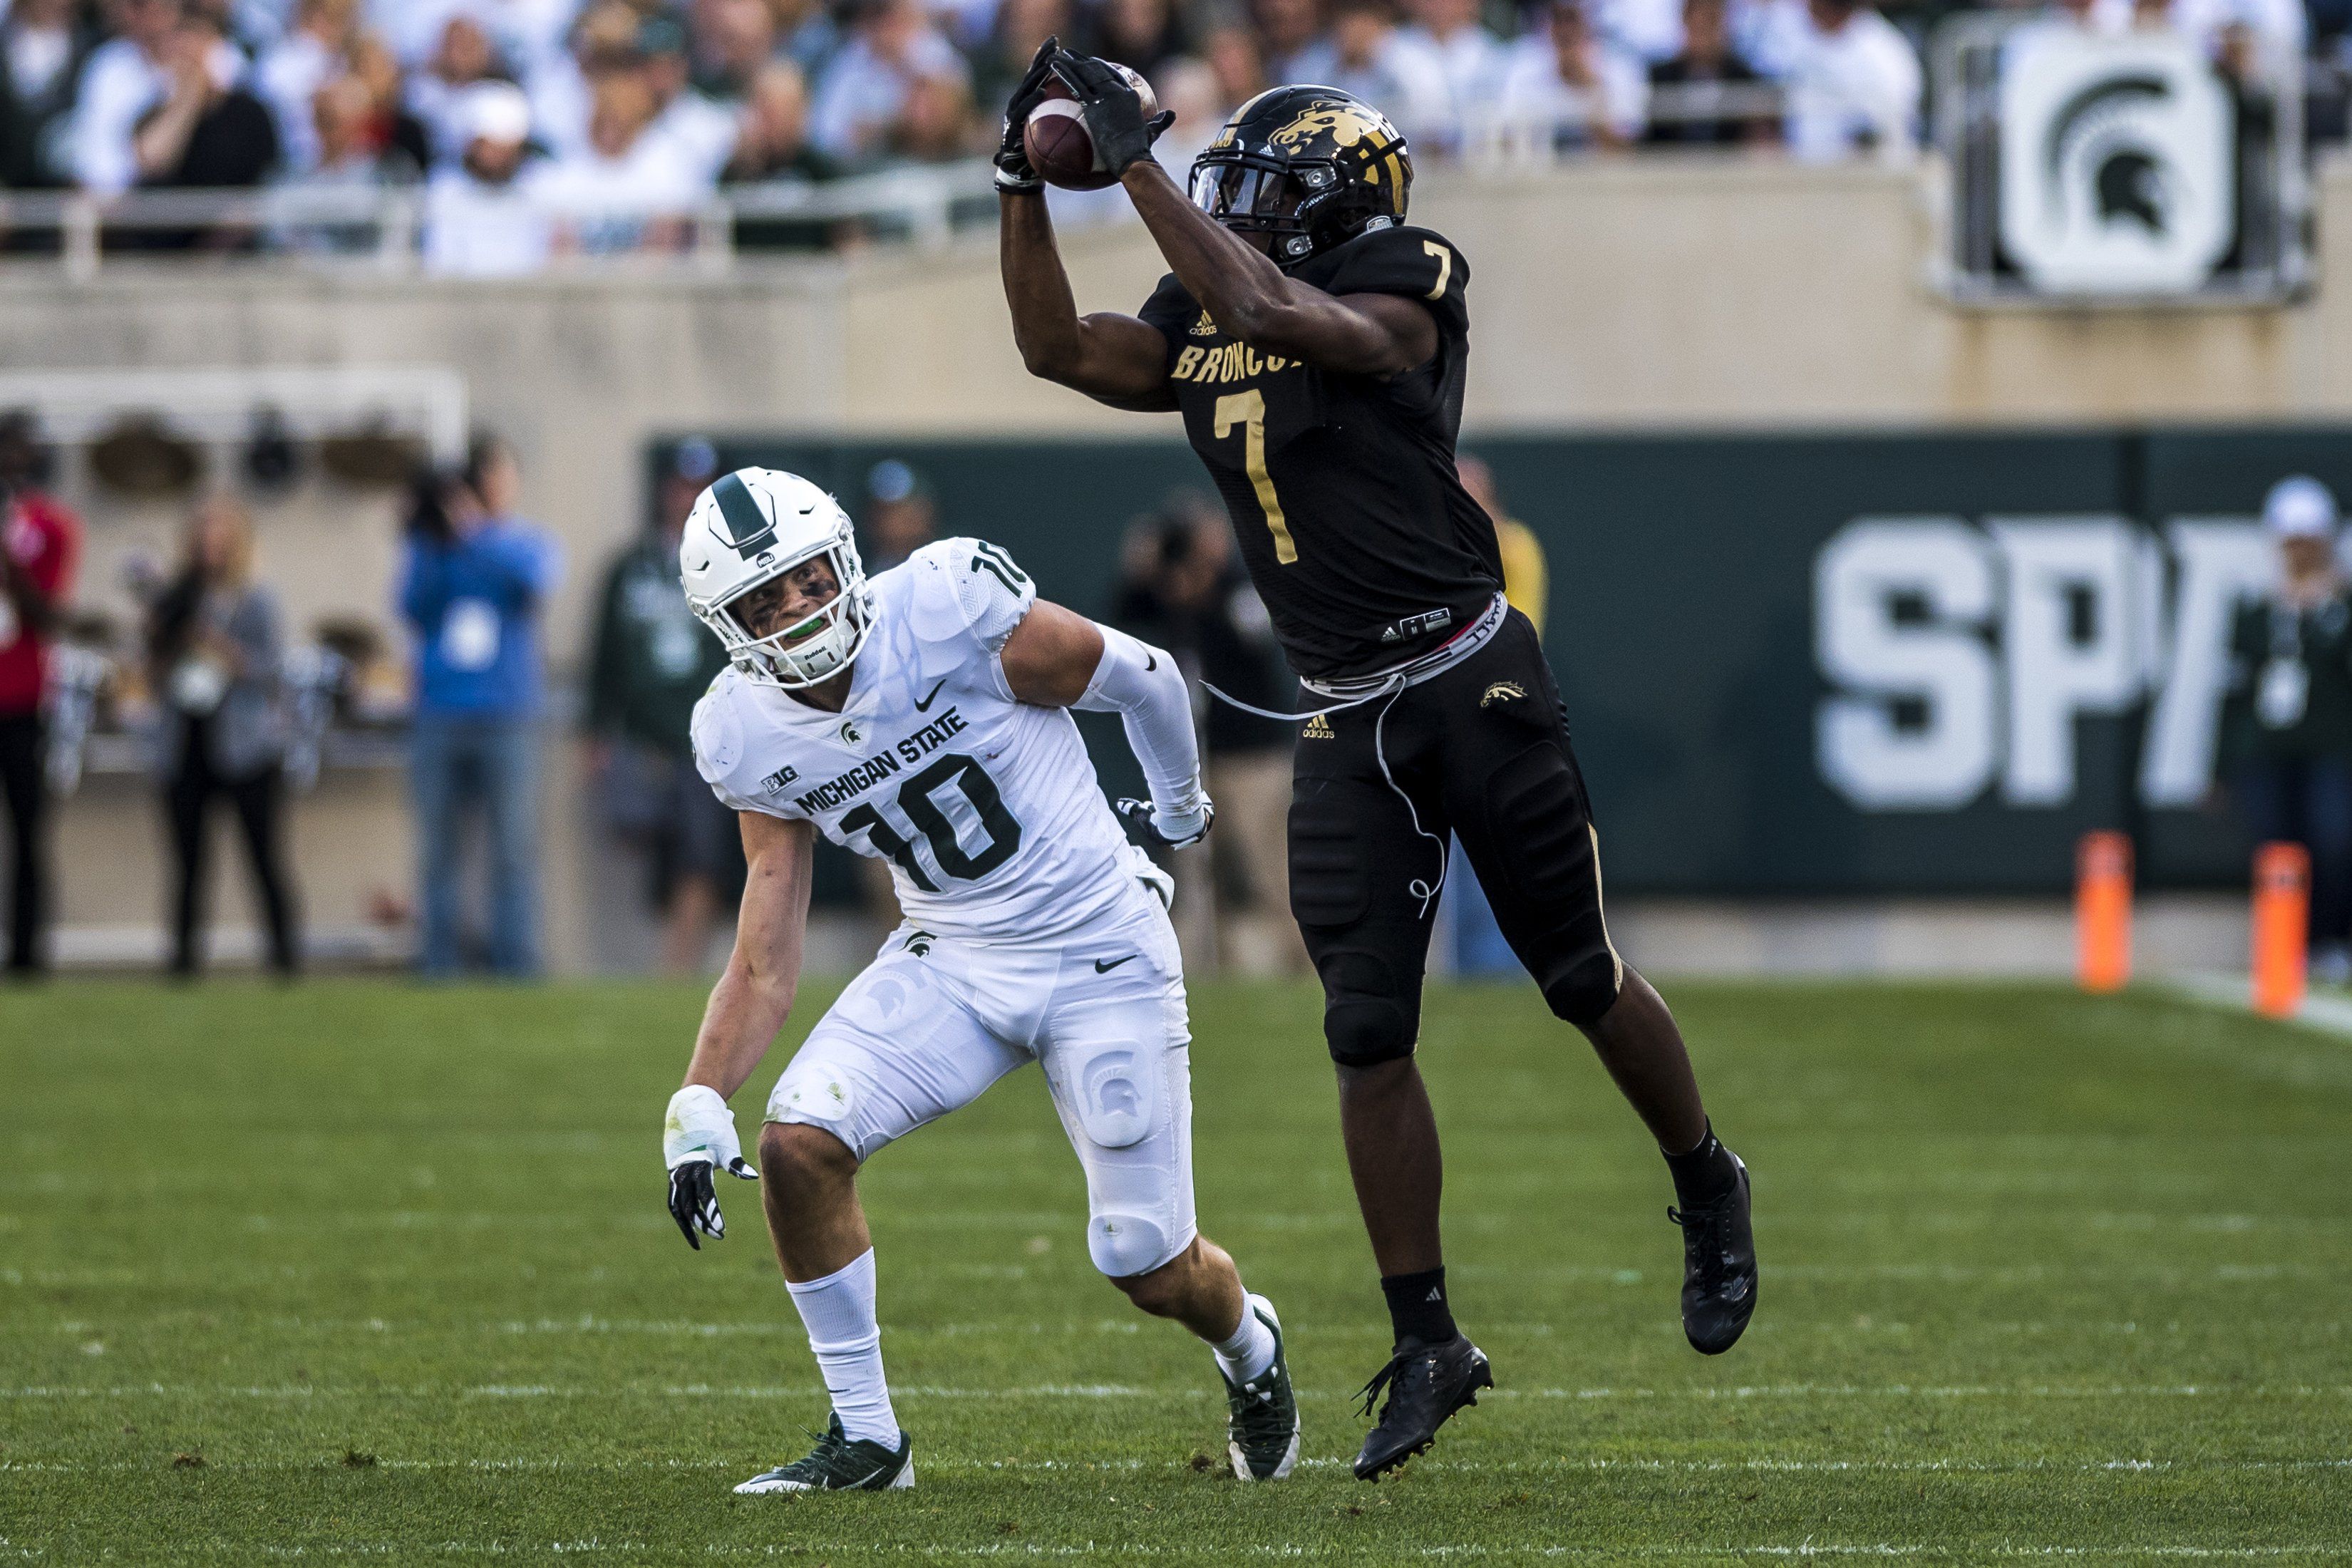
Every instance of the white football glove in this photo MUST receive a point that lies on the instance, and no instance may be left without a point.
(698, 1134)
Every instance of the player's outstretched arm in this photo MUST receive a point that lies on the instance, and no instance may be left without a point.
(747, 1006)
(1111, 358)
(1116, 359)
(1250, 297)
(1058, 658)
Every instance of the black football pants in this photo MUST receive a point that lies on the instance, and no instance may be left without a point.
(1482, 753)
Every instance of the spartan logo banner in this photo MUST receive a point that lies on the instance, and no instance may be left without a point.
(2116, 162)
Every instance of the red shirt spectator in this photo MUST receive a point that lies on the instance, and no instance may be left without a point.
(42, 540)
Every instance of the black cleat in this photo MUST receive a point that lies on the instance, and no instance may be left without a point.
(1718, 1267)
(1426, 1384)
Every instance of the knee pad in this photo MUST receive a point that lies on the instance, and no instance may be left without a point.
(1365, 1020)
(819, 1093)
(1588, 988)
(1123, 1245)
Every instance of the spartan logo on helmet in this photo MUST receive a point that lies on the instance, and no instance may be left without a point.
(1309, 167)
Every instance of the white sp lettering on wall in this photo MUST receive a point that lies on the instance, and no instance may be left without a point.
(1962, 656)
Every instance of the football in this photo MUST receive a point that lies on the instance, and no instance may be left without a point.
(1061, 150)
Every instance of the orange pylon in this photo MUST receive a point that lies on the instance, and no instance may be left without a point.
(2103, 911)
(2282, 917)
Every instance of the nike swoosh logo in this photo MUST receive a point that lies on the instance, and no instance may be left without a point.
(925, 705)
(1150, 662)
(1102, 968)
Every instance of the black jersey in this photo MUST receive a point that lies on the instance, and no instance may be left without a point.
(1351, 519)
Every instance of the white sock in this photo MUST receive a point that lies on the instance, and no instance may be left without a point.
(1251, 1350)
(838, 1311)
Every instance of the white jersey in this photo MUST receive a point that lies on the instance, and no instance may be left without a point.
(987, 808)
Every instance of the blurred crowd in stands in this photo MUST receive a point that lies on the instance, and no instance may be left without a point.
(528, 128)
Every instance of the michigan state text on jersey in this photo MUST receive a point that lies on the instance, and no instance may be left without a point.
(921, 717)
(1315, 347)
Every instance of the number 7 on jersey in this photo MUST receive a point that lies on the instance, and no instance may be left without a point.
(1247, 409)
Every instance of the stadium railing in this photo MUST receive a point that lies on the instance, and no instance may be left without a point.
(382, 228)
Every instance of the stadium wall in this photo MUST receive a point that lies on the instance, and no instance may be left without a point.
(1636, 296)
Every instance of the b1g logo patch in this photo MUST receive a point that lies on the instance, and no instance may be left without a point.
(1502, 691)
(776, 781)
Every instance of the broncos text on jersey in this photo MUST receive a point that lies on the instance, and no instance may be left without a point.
(987, 808)
(1355, 527)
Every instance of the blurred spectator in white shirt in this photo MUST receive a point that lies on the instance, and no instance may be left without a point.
(2071, 19)
(290, 72)
(528, 32)
(1564, 89)
(700, 133)
(464, 56)
(1402, 76)
(1473, 58)
(628, 189)
(1286, 29)
(885, 86)
(477, 221)
(560, 86)
(1650, 30)
(41, 52)
(1853, 85)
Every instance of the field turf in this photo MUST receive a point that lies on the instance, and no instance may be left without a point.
(361, 1271)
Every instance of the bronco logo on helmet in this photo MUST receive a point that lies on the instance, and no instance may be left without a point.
(1310, 167)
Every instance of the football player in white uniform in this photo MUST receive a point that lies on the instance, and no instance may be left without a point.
(921, 717)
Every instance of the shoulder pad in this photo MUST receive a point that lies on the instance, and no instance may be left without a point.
(970, 588)
(718, 730)
(1416, 263)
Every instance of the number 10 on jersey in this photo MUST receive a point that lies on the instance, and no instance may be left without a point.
(1247, 409)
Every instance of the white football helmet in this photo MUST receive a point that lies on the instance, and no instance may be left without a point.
(749, 529)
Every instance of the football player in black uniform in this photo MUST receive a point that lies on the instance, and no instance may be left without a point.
(1315, 347)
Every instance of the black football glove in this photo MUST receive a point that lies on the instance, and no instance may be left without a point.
(699, 1136)
(1013, 170)
(1148, 825)
(1113, 110)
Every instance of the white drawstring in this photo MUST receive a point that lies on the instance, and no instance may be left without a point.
(1419, 889)
(1389, 688)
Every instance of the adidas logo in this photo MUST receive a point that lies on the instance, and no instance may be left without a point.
(1435, 1295)
(1502, 691)
(1317, 729)
(1204, 328)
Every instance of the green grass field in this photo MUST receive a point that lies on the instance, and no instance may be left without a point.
(363, 1271)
